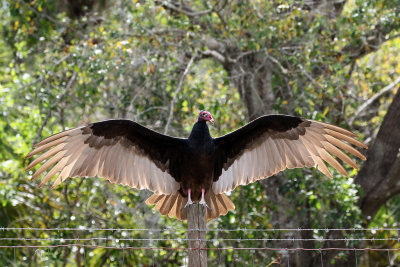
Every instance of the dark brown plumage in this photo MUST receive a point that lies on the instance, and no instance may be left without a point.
(198, 168)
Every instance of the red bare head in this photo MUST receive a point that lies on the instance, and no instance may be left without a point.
(205, 116)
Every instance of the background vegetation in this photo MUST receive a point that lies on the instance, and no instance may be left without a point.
(67, 63)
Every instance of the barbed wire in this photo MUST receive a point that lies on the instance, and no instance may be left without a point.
(197, 239)
(207, 229)
(210, 248)
(122, 243)
(79, 242)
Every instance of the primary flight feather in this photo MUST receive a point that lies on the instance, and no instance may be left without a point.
(199, 168)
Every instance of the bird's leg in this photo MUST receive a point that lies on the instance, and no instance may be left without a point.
(202, 201)
(189, 202)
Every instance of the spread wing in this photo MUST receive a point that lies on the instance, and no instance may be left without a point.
(120, 151)
(273, 143)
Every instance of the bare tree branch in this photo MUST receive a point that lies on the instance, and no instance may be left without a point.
(39, 132)
(184, 9)
(215, 54)
(313, 81)
(48, 115)
(370, 101)
(372, 40)
(274, 60)
(177, 90)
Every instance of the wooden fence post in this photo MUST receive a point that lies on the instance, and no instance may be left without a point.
(197, 230)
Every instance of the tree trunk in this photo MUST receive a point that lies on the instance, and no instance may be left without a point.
(379, 176)
(252, 77)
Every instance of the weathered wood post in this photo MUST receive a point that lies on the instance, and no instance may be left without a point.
(197, 230)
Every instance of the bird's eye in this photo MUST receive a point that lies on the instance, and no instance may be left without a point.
(204, 114)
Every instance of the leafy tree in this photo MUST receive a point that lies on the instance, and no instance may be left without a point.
(65, 63)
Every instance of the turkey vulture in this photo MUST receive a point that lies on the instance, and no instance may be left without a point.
(199, 168)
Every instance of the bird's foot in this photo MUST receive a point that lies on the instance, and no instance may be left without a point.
(202, 202)
(189, 202)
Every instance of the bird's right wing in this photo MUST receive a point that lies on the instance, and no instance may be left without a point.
(271, 144)
(120, 151)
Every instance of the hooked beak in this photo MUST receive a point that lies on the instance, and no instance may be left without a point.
(212, 121)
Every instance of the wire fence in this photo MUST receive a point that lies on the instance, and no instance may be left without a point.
(275, 241)
(208, 229)
(208, 248)
(65, 242)
(202, 240)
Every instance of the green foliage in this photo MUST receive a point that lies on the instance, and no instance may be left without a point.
(59, 71)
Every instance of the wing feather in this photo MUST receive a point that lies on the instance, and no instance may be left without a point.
(345, 138)
(102, 158)
(49, 139)
(333, 162)
(214, 204)
(322, 167)
(345, 147)
(293, 145)
(270, 157)
(93, 165)
(65, 171)
(56, 182)
(123, 165)
(109, 164)
(83, 162)
(46, 146)
(323, 125)
(155, 181)
(53, 171)
(338, 153)
(131, 172)
(244, 167)
(224, 184)
(289, 154)
(253, 160)
(297, 149)
(233, 173)
(306, 154)
(169, 203)
(48, 163)
(44, 156)
(282, 148)
(277, 156)
(261, 160)
(114, 155)
(265, 157)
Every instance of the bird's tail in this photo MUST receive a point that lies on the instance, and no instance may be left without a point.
(172, 205)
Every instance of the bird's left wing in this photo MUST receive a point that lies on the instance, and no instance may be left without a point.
(120, 151)
(273, 143)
